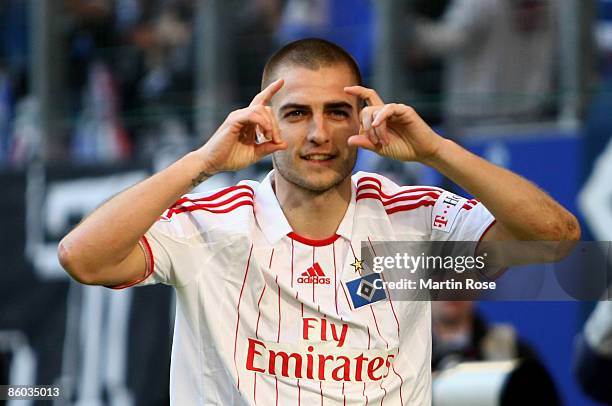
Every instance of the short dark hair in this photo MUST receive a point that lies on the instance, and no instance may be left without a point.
(311, 53)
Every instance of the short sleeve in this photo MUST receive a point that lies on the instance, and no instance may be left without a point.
(187, 235)
(160, 267)
(455, 218)
(163, 254)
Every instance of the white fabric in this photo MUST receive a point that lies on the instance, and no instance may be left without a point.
(240, 284)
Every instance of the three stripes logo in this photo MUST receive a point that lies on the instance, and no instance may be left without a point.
(314, 275)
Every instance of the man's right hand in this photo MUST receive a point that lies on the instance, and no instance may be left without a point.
(234, 145)
(103, 248)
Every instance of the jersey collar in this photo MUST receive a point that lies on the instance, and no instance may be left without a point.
(273, 222)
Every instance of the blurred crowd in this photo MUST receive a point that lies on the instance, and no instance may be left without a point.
(129, 80)
(129, 71)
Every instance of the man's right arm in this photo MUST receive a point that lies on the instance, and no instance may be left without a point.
(103, 249)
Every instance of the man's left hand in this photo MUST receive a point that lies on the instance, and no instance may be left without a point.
(393, 130)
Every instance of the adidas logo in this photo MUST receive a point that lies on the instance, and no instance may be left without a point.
(314, 275)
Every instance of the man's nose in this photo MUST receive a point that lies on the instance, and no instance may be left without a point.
(319, 132)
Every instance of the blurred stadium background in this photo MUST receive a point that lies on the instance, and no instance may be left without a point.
(97, 94)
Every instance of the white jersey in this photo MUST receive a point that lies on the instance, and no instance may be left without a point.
(265, 316)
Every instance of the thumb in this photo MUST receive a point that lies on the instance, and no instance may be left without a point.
(261, 150)
(362, 141)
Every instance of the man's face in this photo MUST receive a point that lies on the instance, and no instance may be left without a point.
(316, 117)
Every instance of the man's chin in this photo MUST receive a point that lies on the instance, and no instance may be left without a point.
(317, 182)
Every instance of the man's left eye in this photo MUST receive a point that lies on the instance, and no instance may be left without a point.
(339, 113)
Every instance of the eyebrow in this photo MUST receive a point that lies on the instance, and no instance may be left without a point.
(296, 106)
(329, 105)
(338, 105)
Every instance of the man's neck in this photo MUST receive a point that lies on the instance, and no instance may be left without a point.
(314, 215)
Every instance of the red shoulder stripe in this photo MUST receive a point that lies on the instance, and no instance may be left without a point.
(216, 204)
(379, 183)
(401, 192)
(369, 178)
(410, 206)
(184, 209)
(396, 199)
(204, 206)
(215, 196)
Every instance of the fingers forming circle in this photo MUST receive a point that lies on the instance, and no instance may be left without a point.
(369, 95)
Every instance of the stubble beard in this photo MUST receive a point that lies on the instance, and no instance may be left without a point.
(288, 172)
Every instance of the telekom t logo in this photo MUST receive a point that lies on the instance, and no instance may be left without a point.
(314, 275)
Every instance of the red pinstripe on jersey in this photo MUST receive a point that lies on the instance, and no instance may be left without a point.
(279, 310)
(279, 331)
(292, 249)
(259, 311)
(302, 313)
(387, 290)
(313, 289)
(313, 262)
(354, 256)
(385, 394)
(377, 329)
(401, 383)
(335, 284)
(346, 297)
(257, 326)
(364, 384)
(396, 320)
(321, 388)
(246, 272)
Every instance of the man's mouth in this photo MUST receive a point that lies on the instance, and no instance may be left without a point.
(318, 157)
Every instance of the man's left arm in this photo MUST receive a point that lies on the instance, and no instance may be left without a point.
(522, 211)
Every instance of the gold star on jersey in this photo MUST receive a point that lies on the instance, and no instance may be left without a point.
(358, 265)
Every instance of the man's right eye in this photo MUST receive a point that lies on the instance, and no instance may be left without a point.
(293, 114)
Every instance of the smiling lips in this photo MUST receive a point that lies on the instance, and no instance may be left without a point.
(318, 157)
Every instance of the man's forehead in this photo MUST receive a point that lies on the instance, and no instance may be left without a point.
(306, 86)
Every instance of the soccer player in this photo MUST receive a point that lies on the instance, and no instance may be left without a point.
(266, 311)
